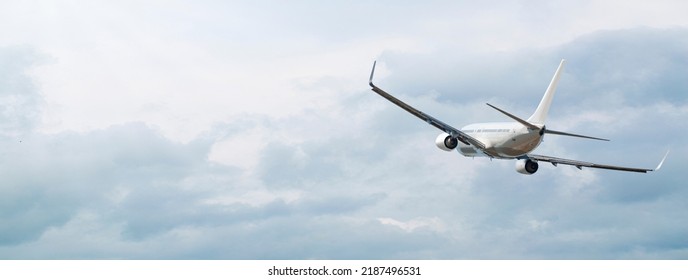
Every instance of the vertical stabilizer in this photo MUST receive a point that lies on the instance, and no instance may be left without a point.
(541, 112)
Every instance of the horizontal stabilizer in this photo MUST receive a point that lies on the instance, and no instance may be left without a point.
(542, 129)
(522, 121)
(549, 131)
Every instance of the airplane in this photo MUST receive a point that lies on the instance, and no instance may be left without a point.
(507, 140)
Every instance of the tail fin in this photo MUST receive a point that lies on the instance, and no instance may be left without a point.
(541, 112)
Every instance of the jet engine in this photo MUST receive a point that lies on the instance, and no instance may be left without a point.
(445, 142)
(526, 166)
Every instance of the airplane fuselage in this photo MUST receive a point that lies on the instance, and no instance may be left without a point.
(505, 140)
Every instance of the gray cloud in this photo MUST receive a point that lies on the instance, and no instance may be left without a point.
(55, 176)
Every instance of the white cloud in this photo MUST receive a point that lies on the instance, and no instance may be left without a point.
(433, 224)
(242, 150)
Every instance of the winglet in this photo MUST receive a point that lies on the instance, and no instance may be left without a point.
(372, 72)
(662, 162)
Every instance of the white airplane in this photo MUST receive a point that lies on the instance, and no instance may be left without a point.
(506, 140)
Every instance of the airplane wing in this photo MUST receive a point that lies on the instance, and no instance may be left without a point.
(580, 164)
(458, 134)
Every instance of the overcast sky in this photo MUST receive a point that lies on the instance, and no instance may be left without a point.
(247, 130)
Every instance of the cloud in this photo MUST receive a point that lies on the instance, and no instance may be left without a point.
(415, 224)
(19, 94)
(195, 139)
(54, 176)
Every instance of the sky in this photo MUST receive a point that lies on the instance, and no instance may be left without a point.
(247, 129)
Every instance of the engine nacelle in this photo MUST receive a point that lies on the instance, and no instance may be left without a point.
(445, 142)
(526, 166)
